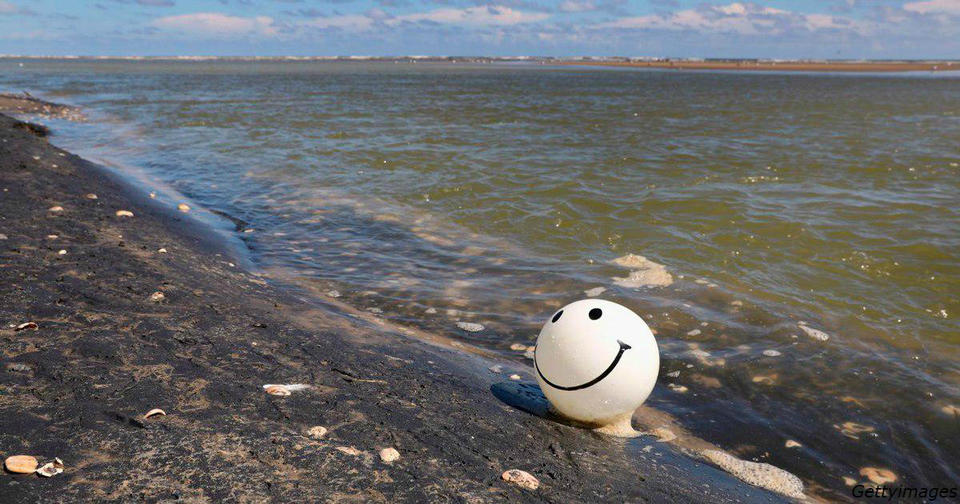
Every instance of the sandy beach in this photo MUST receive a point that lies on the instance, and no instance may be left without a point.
(781, 66)
(114, 305)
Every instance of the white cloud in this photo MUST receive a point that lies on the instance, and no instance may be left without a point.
(738, 18)
(217, 24)
(934, 7)
(577, 6)
(484, 15)
(354, 22)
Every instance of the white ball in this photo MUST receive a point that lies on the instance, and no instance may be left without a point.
(596, 361)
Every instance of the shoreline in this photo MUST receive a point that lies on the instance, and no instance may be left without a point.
(106, 350)
(777, 66)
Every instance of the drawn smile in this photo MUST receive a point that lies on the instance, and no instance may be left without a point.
(623, 348)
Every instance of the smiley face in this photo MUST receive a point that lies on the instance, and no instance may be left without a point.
(596, 361)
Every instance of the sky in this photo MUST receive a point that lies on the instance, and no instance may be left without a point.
(661, 28)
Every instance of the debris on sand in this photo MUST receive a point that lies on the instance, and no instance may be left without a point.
(154, 411)
(470, 326)
(161, 251)
(792, 444)
(62, 252)
(516, 377)
(878, 475)
(51, 469)
(772, 353)
(317, 431)
(349, 450)
(157, 297)
(816, 334)
(333, 293)
(645, 273)
(183, 207)
(56, 209)
(664, 435)
(757, 473)
(27, 325)
(284, 390)
(21, 464)
(90, 196)
(680, 389)
(522, 479)
(124, 213)
(389, 455)
(518, 347)
(594, 292)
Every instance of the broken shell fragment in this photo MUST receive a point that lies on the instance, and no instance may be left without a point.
(124, 213)
(162, 251)
(21, 464)
(277, 390)
(91, 196)
(27, 325)
(522, 479)
(389, 455)
(157, 297)
(183, 207)
(878, 476)
(317, 431)
(56, 209)
(51, 469)
(155, 411)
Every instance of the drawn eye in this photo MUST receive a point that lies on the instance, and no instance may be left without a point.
(557, 316)
(595, 313)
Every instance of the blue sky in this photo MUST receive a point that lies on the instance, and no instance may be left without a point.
(680, 28)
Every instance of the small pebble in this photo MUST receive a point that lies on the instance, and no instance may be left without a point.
(21, 464)
(162, 251)
(470, 326)
(91, 196)
(333, 293)
(317, 431)
(878, 475)
(389, 455)
(56, 209)
(771, 353)
(518, 347)
(349, 450)
(695, 332)
(515, 377)
(522, 479)
(124, 213)
(680, 389)
(792, 444)
(157, 297)
(183, 207)
(62, 252)
(3, 237)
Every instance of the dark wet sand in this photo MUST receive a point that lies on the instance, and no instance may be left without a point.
(104, 353)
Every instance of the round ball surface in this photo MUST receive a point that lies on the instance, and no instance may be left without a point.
(596, 361)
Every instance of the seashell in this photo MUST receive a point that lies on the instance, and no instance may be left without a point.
(91, 196)
(124, 213)
(154, 411)
(157, 297)
(162, 251)
(878, 475)
(522, 479)
(349, 450)
(51, 469)
(792, 444)
(56, 209)
(183, 207)
(277, 390)
(389, 455)
(21, 464)
(62, 252)
(27, 325)
(317, 431)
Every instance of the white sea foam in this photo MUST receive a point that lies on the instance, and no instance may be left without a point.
(758, 474)
(645, 273)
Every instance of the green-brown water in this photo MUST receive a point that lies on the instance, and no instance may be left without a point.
(494, 194)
